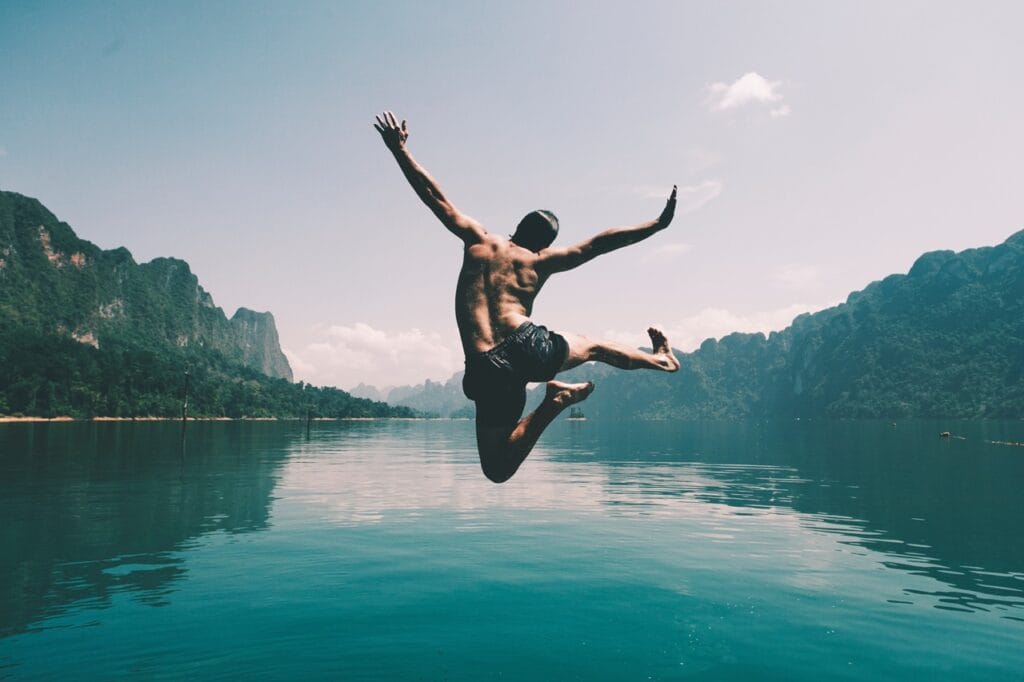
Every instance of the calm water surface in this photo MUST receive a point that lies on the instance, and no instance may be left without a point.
(790, 551)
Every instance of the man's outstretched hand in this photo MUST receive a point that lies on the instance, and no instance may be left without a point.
(394, 135)
(670, 210)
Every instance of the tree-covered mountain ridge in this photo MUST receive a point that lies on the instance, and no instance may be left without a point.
(53, 281)
(89, 332)
(944, 340)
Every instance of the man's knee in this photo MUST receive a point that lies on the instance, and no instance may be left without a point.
(605, 352)
(494, 467)
(496, 474)
(492, 446)
(581, 349)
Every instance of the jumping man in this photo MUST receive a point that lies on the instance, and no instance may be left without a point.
(499, 280)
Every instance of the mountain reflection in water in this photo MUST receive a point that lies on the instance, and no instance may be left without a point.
(91, 509)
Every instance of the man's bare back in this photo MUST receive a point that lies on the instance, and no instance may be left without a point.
(495, 292)
(498, 283)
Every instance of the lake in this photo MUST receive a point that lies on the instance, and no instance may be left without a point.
(371, 550)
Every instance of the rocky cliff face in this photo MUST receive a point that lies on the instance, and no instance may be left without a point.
(53, 282)
(256, 334)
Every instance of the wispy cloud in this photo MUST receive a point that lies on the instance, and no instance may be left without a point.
(667, 252)
(697, 160)
(688, 333)
(749, 89)
(797, 275)
(345, 355)
(689, 198)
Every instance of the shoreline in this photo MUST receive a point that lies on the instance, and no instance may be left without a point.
(19, 420)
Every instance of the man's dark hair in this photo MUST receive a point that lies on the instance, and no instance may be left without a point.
(536, 231)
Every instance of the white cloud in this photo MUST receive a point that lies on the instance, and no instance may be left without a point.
(750, 88)
(667, 252)
(300, 368)
(345, 355)
(694, 196)
(689, 332)
(697, 160)
(797, 275)
(688, 198)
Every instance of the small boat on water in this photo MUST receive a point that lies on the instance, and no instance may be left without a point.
(576, 414)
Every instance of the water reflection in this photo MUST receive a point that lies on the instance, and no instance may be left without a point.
(94, 509)
(944, 509)
(940, 509)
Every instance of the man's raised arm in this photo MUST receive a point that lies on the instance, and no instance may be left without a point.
(567, 258)
(459, 224)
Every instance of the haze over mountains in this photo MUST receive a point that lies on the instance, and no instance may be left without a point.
(431, 397)
(944, 340)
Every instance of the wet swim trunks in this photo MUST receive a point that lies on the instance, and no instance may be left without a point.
(496, 379)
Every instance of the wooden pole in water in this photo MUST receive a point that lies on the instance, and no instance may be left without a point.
(184, 404)
(184, 409)
(309, 409)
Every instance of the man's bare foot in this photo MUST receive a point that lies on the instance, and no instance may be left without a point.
(661, 347)
(563, 394)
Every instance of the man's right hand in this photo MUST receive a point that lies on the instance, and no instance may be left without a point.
(670, 210)
(393, 134)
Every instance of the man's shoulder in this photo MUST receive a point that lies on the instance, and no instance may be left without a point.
(491, 243)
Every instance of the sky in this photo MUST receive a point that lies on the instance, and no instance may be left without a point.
(817, 147)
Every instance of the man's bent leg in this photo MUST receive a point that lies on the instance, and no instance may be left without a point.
(583, 349)
(504, 448)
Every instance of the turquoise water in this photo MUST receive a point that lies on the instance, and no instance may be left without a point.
(370, 550)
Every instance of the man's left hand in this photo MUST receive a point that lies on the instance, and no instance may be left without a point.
(670, 210)
(394, 135)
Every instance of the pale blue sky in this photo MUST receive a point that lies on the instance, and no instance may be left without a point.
(238, 137)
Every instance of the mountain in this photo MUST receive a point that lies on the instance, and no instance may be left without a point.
(53, 282)
(944, 340)
(368, 392)
(433, 397)
(256, 338)
(85, 332)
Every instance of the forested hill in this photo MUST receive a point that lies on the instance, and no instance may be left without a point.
(85, 331)
(52, 281)
(944, 340)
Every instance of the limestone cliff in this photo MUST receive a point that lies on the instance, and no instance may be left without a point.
(51, 281)
(256, 335)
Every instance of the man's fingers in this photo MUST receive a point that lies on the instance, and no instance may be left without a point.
(379, 129)
(382, 123)
(391, 119)
(404, 130)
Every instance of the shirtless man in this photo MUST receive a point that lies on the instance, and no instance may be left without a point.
(499, 280)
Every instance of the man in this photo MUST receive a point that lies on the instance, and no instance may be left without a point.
(499, 280)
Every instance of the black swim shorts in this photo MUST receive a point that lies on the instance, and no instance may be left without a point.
(497, 379)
